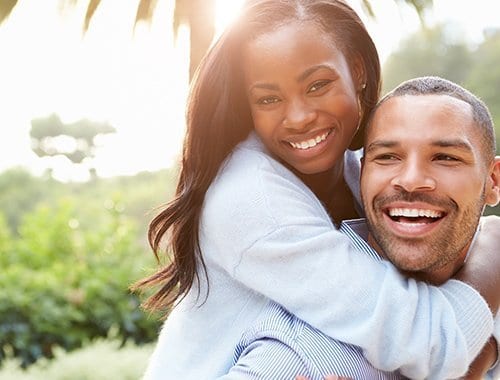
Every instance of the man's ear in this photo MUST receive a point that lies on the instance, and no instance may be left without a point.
(492, 190)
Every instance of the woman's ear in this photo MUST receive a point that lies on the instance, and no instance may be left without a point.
(492, 189)
(359, 74)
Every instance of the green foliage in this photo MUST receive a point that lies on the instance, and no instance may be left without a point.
(75, 141)
(433, 51)
(68, 253)
(101, 360)
(21, 192)
(136, 196)
(64, 285)
(484, 76)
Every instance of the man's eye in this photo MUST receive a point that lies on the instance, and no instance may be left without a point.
(318, 85)
(268, 100)
(445, 157)
(385, 157)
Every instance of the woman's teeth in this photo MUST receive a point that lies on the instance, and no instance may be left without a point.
(309, 143)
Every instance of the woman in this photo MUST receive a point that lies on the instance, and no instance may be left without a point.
(265, 174)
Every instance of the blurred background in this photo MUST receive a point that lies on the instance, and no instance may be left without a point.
(91, 124)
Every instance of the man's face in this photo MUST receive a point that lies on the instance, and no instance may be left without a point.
(424, 181)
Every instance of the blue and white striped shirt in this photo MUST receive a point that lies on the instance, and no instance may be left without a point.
(281, 346)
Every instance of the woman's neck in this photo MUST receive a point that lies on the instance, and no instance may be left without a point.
(324, 184)
(333, 192)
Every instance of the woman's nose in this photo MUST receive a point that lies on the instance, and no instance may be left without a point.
(299, 114)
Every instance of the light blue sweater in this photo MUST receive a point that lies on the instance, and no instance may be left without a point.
(264, 235)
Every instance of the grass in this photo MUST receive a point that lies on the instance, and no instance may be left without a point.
(101, 360)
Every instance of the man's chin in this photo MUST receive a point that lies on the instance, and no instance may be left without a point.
(413, 263)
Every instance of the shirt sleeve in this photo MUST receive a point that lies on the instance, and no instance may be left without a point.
(266, 359)
(273, 235)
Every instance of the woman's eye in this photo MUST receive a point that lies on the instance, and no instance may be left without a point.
(268, 100)
(318, 85)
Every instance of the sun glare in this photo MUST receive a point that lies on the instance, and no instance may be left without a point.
(225, 12)
(137, 82)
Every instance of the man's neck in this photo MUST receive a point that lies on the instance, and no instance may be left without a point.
(435, 276)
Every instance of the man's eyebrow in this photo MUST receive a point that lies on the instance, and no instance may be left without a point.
(445, 143)
(453, 143)
(377, 144)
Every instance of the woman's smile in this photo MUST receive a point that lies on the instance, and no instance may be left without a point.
(310, 142)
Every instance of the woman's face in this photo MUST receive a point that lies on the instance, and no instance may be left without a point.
(303, 98)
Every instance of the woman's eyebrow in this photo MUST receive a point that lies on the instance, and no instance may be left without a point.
(311, 70)
(265, 86)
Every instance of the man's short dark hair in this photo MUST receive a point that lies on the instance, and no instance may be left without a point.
(432, 85)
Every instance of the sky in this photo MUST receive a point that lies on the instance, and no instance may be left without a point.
(136, 81)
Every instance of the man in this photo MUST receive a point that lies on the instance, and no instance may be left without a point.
(429, 168)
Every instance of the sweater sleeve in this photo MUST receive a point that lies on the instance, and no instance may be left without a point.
(494, 372)
(272, 234)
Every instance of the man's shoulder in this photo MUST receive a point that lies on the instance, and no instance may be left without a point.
(279, 324)
(275, 322)
(290, 337)
(357, 231)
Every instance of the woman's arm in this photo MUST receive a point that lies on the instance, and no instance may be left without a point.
(272, 235)
(479, 272)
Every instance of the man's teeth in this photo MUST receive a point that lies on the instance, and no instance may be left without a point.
(309, 143)
(413, 213)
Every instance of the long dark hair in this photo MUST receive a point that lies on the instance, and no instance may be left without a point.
(218, 118)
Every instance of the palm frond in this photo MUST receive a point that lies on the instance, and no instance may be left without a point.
(367, 8)
(181, 14)
(6, 7)
(90, 12)
(145, 10)
(420, 6)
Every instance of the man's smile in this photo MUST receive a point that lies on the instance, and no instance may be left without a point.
(412, 220)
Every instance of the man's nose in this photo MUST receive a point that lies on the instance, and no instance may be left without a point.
(414, 176)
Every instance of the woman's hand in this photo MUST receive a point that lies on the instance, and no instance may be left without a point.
(329, 377)
(483, 362)
(482, 270)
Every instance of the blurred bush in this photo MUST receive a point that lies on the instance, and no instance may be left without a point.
(101, 360)
(66, 269)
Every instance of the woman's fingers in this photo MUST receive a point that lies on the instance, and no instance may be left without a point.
(329, 377)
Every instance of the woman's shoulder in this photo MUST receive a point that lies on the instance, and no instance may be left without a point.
(252, 169)
(253, 185)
